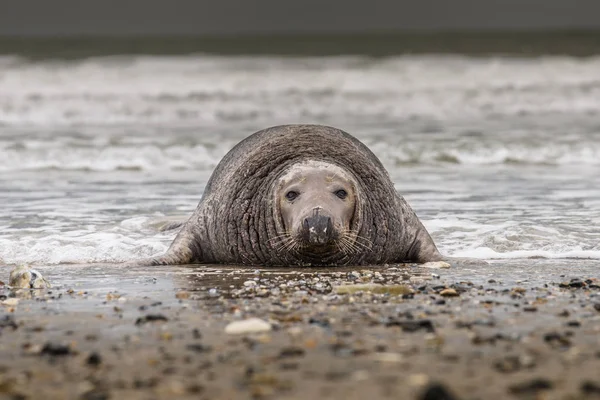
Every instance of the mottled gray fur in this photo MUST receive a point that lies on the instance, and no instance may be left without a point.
(237, 218)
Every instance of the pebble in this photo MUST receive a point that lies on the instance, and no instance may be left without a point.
(26, 278)
(388, 357)
(418, 380)
(151, 318)
(436, 264)
(250, 283)
(531, 387)
(436, 391)
(182, 295)
(251, 325)
(449, 293)
(10, 302)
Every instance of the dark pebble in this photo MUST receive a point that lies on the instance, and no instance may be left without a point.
(440, 302)
(597, 307)
(196, 334)
(198, 348)
(94, 359)
(564, 313)
(436, 391)
(323, 323)
(412, 325)
(145, 383)
(530, 309)
(291, 352)
(556, 339)
(150, 318)
(289, 366)
(589, 387)
(531, 387)
(577, 283)
(195, 388)
(56, 350)
(8, 322)
(95, 394)
(508, 364)
(574, 323)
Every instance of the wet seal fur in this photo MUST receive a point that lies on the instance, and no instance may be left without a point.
(240, 221)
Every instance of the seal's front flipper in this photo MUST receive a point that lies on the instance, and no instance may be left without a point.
(185, 249)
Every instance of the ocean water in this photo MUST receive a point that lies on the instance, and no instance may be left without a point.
(499, 156)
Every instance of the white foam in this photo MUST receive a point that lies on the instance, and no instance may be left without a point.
(208, 89)
(40, 155)
(86, 248)
(487, 253)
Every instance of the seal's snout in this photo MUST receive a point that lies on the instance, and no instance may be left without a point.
(317, 229)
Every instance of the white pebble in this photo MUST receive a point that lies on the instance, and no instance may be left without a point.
(11, 302)
(436, 264)
(251, 325)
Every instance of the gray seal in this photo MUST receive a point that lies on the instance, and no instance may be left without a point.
(300, 195)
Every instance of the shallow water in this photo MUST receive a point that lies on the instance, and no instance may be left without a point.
(498, 156)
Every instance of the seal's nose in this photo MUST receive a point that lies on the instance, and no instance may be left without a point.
(317, 229)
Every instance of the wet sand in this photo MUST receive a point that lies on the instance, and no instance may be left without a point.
(511, 330)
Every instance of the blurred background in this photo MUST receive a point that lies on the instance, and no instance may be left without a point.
(113, 114)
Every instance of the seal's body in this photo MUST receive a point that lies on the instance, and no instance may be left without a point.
(300, 195)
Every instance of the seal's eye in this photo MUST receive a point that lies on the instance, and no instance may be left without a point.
(342, 194)
(291, 195)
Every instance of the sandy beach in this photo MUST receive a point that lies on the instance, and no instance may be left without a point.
(398, 332)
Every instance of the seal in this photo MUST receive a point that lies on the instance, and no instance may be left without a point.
(300, 195)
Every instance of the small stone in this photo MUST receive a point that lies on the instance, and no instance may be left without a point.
(577, 283)
(412, 325)
(250, 283)
(589, 387)
(530, 309)
(251, 325)
(11, 302)
(436, 264)
(182, 295)
(288, 352)
(151, 318)
(387, 357)
(597, 307)
(449, 293)
(8, 322)
(436, 391)
(532, 387)
(94, 359)
(24, 277)
(56, 350)
(392, 290)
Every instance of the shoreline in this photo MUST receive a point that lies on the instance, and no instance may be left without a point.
(395, 332)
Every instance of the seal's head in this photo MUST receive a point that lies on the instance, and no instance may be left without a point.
(317, 202)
